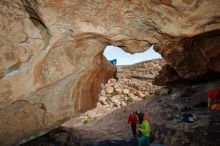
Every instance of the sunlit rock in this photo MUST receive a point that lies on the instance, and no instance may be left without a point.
(51, 62)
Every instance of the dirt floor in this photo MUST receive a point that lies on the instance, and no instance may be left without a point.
(165, 112)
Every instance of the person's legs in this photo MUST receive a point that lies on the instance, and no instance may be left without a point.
(133, 128)
(143, 141)
(140, 141)
(147, 141)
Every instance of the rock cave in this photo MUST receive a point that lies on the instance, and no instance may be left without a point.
(52, 63)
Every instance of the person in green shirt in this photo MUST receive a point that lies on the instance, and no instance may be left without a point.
(145, 132)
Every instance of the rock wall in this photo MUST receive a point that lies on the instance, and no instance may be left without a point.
(51, 62)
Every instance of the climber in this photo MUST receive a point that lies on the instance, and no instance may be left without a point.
(140, 116)
(145, 132)
(132, 119)
(140, 119)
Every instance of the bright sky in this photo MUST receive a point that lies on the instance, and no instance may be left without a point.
(124, 58)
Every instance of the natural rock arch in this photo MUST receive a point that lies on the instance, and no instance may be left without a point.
(51, 61)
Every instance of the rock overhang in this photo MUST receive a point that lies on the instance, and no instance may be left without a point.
(51, 51)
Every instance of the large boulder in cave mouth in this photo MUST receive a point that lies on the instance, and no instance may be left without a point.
(51, 62)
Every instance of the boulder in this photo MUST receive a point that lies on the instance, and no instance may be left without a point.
(116, 85)
(112, 81)
(163, 91)
(139, 94)
(116, 100)
(118, 91)
(146, 94)
(109, 89)
(91, 114)
(123, 103)
(103, 93)
(102, 100)
(125, 91)
(133, 97)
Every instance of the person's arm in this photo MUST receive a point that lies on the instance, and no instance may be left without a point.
(141, 128)
(136, 120)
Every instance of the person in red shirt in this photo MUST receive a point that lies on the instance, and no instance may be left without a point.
(213, 93)
(132, 119)
(213, 97)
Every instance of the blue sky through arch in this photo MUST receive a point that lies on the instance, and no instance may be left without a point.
(124, 58)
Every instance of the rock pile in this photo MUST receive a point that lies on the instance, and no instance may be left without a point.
(134, 84)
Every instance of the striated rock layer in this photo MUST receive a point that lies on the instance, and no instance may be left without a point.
(51, 62)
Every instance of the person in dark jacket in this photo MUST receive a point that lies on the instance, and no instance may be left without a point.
(140, 120)
(140, 116)
(132, 119)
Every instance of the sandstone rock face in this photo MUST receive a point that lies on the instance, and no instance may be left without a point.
(48, 72)
(51, 52)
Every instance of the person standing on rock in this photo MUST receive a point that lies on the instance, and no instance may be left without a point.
(132, 119)
(145, 132)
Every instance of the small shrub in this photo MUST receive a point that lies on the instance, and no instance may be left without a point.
(129, 100)
(85, 121)
(114, 93)
(108, 99)
(88, 120)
